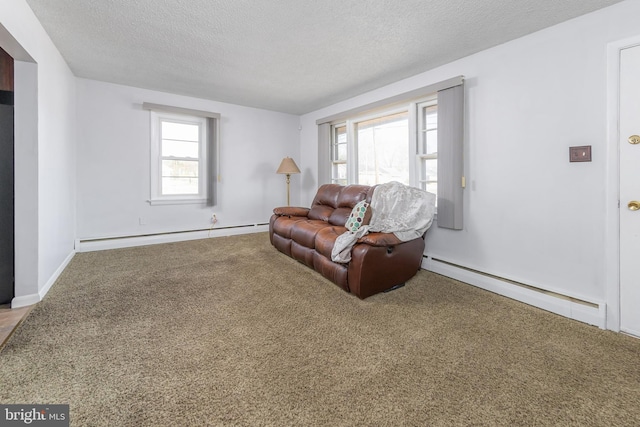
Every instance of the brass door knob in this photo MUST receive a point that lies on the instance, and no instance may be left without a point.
(634, 139)
(633, 205)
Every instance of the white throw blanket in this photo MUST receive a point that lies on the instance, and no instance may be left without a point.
(396, 208)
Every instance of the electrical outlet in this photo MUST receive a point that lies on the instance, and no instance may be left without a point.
(142, 221)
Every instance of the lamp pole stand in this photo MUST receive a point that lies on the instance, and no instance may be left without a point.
(288, 181)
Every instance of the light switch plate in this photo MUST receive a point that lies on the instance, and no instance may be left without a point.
(580, 154)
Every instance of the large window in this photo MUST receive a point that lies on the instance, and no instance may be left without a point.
(382, 149)
(416, 138)
(378, 148)
(179, 158)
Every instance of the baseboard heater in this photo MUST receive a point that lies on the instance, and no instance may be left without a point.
(115, 242)
(591, 312)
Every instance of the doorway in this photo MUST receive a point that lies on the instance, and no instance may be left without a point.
(7, 211)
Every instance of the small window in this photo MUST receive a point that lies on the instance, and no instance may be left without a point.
(339, 155)
(179, 158)
(427, 152)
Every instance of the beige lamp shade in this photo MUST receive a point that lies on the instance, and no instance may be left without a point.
(288, 166)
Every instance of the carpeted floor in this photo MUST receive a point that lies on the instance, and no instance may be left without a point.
(228, 331)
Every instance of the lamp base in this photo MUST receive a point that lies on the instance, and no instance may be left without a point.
(288, 181)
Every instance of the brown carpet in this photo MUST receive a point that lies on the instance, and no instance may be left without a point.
(228, 331)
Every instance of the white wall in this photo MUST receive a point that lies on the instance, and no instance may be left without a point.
(530, 215)
(26, 180)
(113, 163)
(56, 165)
(45, 158)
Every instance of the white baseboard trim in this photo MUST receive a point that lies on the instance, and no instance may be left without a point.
(630, 332)
(25, 300)
(117, 242)
(591, 312)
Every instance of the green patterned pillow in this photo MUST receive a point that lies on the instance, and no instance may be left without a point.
(360, 215)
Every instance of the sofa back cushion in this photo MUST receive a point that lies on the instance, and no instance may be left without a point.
(333, 203)
(325, 202)
(349, 196)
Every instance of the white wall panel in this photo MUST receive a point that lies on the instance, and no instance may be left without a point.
(113, 164)
(45, 164)
(530, 215)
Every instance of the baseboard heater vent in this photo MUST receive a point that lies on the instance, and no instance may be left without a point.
(591, 312)
(114, 242)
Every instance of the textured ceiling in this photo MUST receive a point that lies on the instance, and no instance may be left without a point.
(293, 56)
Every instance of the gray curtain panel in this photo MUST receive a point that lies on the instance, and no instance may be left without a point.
(450, 157)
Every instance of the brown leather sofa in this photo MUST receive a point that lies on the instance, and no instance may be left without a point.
(379, 261)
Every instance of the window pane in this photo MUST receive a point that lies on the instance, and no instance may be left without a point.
(383, 147)
(431, 117)
(172, 148)
(431, 139)
(339, 149)
(173, 186)
(432, 187)
(430, 170)
(339, 172)
(341, 152)
(180, 131)
(429, 176)
(179, 168)
(340, 136)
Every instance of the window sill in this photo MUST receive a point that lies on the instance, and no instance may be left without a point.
(158, 202)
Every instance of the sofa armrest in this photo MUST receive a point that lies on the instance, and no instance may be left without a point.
(291, 211)
(375, 269)
(380, 239)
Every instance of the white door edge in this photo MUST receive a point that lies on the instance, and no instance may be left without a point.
(612, 217)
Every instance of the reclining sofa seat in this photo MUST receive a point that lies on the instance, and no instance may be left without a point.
(379, 261)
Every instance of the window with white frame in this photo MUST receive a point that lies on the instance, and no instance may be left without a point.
(180, 146)
(339, 154)
(382, 147)
(427, 147)
(377, 148)
(416, 138)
